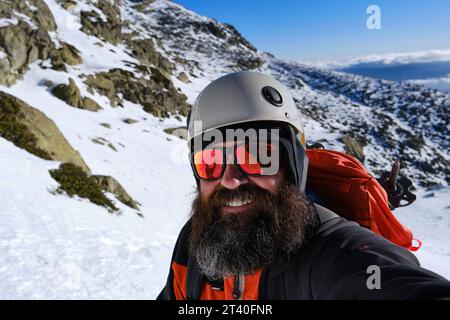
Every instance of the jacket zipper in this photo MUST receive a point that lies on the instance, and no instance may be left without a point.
(238, 288)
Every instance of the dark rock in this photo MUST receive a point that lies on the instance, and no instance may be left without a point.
(71, 95)
(237, 39)
(161, 76)
(106, 125)
(354, 147)
(90, 105)
(249, 63)
(46, 83)
(109, 30)
(142, 5)
(67, 4)
(103, 85)
(180, 132)
(416, 142)
(30, 129)
(40, 16)
(211, 27)
(24, 42)
(104, 142)
(144, 51)
(130, 121)
(157, 95)
(109, 184)
(66, 54)
(22, 46)
(74, 181)
(183, 77)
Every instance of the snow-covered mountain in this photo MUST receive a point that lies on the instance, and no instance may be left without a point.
(102, 83)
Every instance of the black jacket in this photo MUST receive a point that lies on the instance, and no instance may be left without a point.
(333, 265)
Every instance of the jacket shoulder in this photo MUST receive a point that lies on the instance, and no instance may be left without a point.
(342, 256)
(339, 252)
(181, 251)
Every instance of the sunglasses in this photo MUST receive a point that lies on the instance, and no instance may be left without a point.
(253, 159)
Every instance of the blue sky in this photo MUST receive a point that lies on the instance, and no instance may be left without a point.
(326, 30)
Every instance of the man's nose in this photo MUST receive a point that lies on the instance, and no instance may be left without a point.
(233, 177)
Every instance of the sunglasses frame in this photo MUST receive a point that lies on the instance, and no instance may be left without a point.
(234, 146)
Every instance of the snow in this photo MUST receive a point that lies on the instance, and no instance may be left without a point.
(4, 22)
(70, 248)
(429, 219)
(26, 19)
(56, 247)
(31, 7)
(53, 246)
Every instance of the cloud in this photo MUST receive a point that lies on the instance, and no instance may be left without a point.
(442, 84)
(387, 59)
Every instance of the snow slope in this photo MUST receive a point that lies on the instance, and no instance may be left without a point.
(56, 247)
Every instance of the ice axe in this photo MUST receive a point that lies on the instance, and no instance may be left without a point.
(397, 187)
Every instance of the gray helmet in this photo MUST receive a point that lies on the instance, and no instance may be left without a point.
(240, 97)
(251, 97)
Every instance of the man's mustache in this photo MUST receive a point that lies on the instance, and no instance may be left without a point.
(223, 196)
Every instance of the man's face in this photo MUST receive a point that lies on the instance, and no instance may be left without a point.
(241, 223)
(232, 179)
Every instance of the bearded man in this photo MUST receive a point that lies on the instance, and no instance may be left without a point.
(254, 232)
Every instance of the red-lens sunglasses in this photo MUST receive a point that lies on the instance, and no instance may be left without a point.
(252, 159)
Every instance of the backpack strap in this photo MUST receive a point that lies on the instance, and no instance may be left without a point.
(291, 279)
(324, 213)
(194, 280)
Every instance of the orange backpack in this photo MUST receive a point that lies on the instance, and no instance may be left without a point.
(348, 189)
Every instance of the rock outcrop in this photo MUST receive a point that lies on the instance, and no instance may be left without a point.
(109, 184)
(108, 26)
(158, 96)
(144, 50)
(26, 38)
(179, 132)
(66, 54)
(70, 93)
(30, 129)
(354, 147)
(75, 182)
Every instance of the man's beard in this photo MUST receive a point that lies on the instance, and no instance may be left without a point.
(240, 243)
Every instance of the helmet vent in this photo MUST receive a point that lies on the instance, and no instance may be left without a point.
(272, 96)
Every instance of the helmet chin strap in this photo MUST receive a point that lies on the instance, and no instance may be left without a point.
(298, 160)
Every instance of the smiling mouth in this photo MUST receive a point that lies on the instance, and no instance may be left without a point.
(237, 205)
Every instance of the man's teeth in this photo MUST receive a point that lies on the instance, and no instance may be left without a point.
(238, 202)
